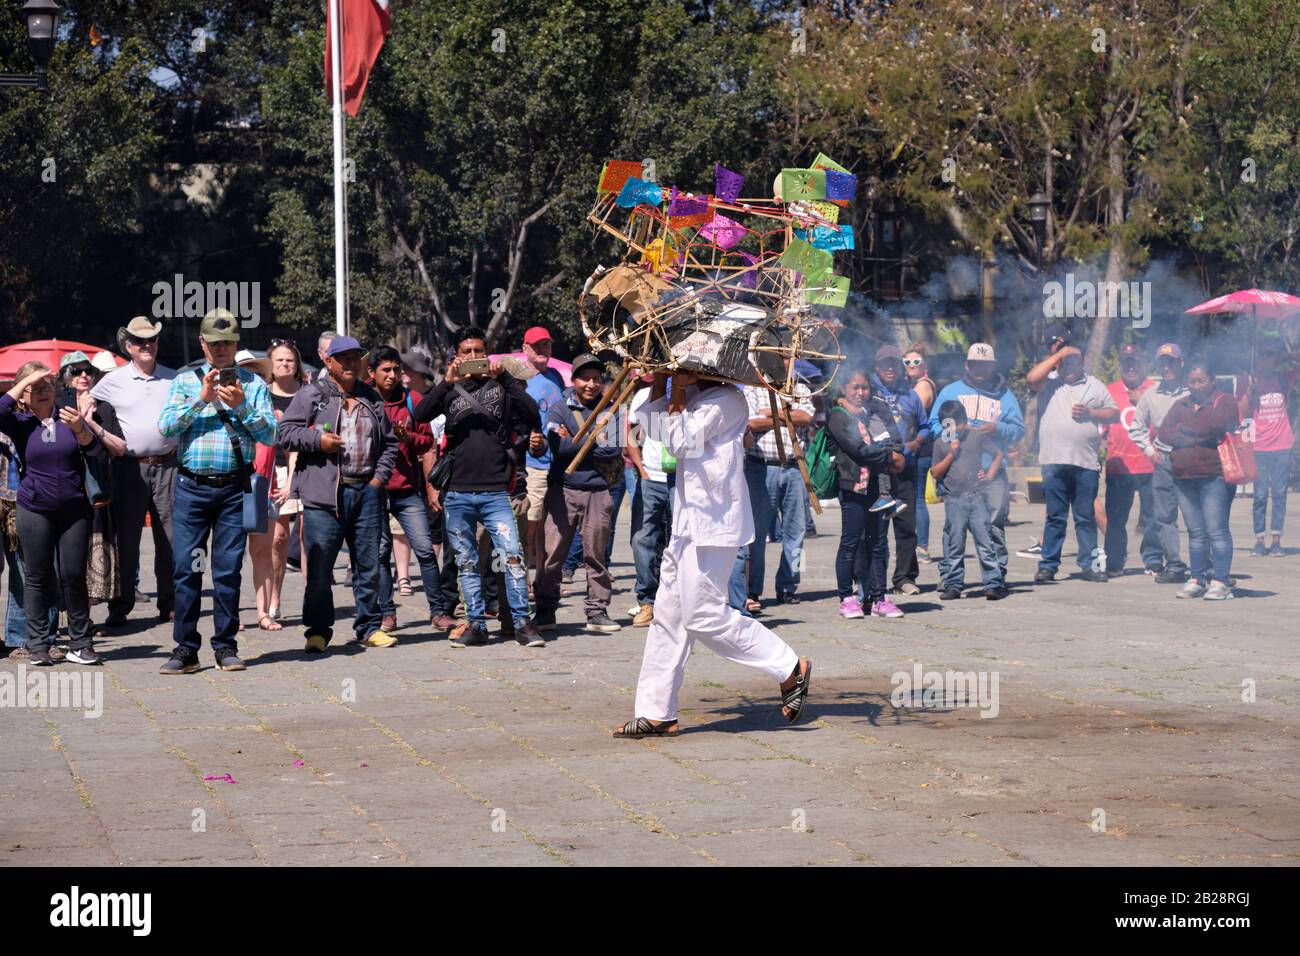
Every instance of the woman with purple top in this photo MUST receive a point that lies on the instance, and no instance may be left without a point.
(53, 512)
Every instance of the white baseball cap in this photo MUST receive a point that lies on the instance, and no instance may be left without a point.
(980, 352)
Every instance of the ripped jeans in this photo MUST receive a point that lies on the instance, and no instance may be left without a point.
(462, 513)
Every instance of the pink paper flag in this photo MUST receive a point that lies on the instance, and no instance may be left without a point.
(722, 232)
(749, 279)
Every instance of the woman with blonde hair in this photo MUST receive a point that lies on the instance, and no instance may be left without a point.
(270, 551)
(53, 512)
(918, 374)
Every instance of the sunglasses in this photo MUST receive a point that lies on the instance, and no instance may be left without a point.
(913, 363)
(81, 370)
(141, 342)
(276, 343)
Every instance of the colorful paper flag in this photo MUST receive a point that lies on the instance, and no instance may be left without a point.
(684, 211)
(658, 255)
(797, 184)
(728, 184)
(636, 192)
(830, 238)
(749, 279)
(827, 289)
(840, 185)
(804, 257)
(827, 211)
(825, 162)
(615, 173)
(722, 232)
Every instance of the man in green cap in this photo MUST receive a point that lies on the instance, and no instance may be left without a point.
(218, 414)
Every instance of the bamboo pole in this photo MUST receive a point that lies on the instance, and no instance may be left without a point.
(803, 465)
(595, 432)
(776, 426)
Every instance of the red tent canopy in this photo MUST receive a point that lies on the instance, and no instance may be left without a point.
(1261, 303)
(49, 351)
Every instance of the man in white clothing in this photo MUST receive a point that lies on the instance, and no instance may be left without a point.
(702, 425)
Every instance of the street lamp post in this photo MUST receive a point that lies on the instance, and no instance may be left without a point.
(42, 27)
(1038, 208)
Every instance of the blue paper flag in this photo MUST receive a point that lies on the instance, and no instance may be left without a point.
(636, 192)
(840, 186)
(828, 237)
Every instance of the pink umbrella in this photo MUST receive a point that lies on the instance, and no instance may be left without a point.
(564, 368)
(49, 351)
(1260, 303)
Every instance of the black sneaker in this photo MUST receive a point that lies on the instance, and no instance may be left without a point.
(995, 594)
(950, 594)
(543, 622)
(180, 663)
(1035, 550)
(1097, 577)
(229, 661)
(529, 636)
(566, 577)
(86, 656)
(41, 658)
(1276, 550)
(1044, 575)
(790, 598)
(1259, 550)
(602, 623)
(468, 635)
(141, 597)
(1171, 577)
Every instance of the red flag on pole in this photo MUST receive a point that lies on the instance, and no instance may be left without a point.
(365, 24)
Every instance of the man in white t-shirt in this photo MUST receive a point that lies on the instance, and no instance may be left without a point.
(703, 428)
(658, 471)
(1071, 406)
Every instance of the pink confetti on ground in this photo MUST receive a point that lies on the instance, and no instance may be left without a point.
(365, 765)
(224, 778)
(299, 763)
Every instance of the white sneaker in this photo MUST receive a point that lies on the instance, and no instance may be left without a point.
(634, 610)
(1218, 591)
(1192, 589)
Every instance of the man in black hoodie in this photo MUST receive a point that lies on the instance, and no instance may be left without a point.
(483, 408)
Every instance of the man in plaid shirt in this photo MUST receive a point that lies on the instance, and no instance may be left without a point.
(774, 489)
(201, 413)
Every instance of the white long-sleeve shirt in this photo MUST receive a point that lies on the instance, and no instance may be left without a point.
(711, 500)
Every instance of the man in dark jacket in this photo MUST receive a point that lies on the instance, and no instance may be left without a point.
(483, 407)
(580, 502)
(346, 454)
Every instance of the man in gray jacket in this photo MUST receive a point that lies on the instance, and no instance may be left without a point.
(346, 454)
(1148, 415)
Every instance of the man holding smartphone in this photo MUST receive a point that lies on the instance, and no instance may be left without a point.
(484, 405)
(218, 414)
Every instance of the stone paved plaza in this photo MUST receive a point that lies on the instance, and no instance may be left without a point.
(1121, 737)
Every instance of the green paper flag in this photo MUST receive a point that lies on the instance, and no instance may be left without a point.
(825, 162)
(799, 184)
(803, 257)
(827, 289)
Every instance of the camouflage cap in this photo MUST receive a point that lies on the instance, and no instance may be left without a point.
(219, 325)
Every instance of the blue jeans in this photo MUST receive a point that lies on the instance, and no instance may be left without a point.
(1274, 477)
(652, 537)
(630, 488)
(774, 489)
(198, 511)
(463, 511)
(1066, 488)
(962, 513)
(412, 515)
(736, 584)
(922, 510)
(357, 521)
(1120, 489)
(15, 615)
(1204, 504)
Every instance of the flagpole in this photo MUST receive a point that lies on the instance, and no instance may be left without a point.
(340, 195)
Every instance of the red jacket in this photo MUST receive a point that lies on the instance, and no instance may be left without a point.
(408, 475)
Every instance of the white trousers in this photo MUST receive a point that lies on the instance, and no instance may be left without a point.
(692, 605)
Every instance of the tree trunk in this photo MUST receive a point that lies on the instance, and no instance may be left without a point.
(1117, 260)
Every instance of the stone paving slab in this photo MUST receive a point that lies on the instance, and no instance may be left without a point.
(1112, 698)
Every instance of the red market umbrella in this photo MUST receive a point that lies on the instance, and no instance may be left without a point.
(1258, 303)
(49, 351)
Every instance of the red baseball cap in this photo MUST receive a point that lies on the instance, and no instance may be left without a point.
(537, 333)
